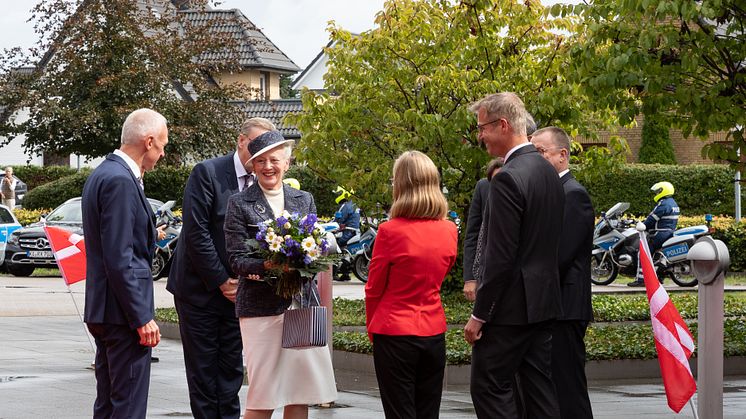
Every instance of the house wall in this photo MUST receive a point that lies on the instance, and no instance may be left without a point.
(687, 150)
(12, 154)
(313, 79)
(251, 78)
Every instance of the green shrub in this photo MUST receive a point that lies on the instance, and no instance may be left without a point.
(602, 342)
(734, 237)
(167, 183)
(656, 144)
(26, 216)
(35, 176)
(321, 189)
(54, 193)
(700, 189)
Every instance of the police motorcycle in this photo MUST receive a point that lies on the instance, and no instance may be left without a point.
(165, 247)
(356, 254)
(616, 244)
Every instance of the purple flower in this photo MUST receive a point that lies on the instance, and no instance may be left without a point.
(307, 260)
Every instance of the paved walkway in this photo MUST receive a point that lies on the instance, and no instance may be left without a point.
(45, 358)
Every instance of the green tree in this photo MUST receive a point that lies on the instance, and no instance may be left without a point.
(408, 83)
(286, 91)
(98, 60)
(682, 59)
(656, 146)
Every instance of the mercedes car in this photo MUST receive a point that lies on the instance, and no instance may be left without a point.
(28, 248)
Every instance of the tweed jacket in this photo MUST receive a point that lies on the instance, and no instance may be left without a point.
(245, 211)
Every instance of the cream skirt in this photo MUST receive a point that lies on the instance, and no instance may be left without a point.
(279, 377)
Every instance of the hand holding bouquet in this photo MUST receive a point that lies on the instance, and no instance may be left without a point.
(295, 248)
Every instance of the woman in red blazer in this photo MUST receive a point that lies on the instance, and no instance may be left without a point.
(405, 319)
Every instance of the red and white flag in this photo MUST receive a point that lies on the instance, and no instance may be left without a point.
(69, 251)
(673, 342)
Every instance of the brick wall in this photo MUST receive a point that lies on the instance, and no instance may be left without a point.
(687, 150)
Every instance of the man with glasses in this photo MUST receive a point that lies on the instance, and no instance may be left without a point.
(203, 285)
(519, 295)
(576, 243)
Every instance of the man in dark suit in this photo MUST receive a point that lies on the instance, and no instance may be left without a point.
(474, 221)
(576, 243)
(473, 225)
(203, 284)
(519, 296)
(120, 241)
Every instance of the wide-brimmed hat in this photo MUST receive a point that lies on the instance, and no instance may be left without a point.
(266, 142)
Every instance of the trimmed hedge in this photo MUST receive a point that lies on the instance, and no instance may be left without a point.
(700, 189)
(602, 342)
(625, 334)
(35, 176)
(54, 193)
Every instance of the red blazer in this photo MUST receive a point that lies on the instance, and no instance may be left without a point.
(411, 257)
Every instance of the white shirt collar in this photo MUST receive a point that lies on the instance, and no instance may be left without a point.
(130, 163)
(512, 150)
(240, 168)
(562, 173)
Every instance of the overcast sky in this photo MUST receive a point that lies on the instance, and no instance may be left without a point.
(297, 27)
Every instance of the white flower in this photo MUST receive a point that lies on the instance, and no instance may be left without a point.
(308, 244)
(287, 226)
(313, 253)
(285, 214)
(278, 240)
(271, 236)
(275, 246)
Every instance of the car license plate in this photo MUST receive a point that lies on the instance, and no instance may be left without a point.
(42, 254)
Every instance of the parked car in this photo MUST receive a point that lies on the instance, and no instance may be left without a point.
(28, 247)
(8, 224)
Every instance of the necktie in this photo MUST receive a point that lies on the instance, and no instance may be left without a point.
(142, 185)
(247, 181)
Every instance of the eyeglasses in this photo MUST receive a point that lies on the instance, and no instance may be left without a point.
(480, 127)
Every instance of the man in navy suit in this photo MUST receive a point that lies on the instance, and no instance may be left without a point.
(119, 242)
(576, 244)
(518, 297)
(203, 284)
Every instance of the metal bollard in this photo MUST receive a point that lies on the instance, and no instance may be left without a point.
(710, 259)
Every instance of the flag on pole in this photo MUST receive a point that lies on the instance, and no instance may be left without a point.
(673, 342)
(69, 251)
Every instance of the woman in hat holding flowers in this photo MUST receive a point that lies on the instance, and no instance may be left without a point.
(277, 377)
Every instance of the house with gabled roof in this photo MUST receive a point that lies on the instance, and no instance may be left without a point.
(261, 65)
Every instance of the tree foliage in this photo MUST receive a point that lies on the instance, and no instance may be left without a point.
(98, 60)
(656, 146)
(408, 83)
(682, 59)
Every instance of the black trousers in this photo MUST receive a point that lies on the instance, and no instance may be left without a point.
(122, 372)
(211, 338)
(409, 370)
(568, 369)
(500, 354)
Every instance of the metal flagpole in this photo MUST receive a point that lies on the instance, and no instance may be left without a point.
(694, 411)
(93, 348)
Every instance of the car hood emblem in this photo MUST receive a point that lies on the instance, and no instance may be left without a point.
(42, 243)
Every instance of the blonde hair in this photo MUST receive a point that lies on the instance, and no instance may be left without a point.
(417, 188)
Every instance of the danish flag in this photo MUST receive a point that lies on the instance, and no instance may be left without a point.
(69, 251)
(673, 342)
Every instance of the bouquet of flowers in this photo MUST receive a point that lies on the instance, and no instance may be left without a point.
(296, 246)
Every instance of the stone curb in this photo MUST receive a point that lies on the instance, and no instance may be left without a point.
(359, 367)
